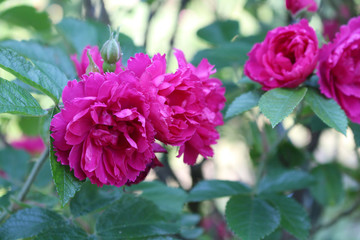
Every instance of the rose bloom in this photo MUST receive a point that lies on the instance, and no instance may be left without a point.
(339, 69)
(33, 145)
(185, 105)
(82, 65)
(294, 6)
(103, 131)
(286, 57)
(330, 28)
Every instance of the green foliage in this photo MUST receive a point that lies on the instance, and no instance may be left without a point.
(327, 110)
(210, 189)
(10, 160)
(243, 103)
(14, 99)
(278, 103)
(219, 32)
(356, 131)
(251, 218)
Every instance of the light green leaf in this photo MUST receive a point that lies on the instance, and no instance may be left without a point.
(327, 110)
(219, 31)
(243, 103)
(285, 181)
(14, 99)
(294, 218)
(328, 188)
(210, 189)
(278, 103)
(251, 218)
(65, 182)
(44, 77)
(134, 217)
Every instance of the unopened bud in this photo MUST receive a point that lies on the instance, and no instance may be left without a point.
(92, 67)
(111, 50)
(107, 67)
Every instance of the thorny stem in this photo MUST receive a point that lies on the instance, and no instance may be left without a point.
(29, 181)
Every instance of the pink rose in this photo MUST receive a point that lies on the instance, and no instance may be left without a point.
(339, 69)
(330, 28)
(294, 6)
(33, 145)
(286, 57)
(103, 131)
(84, 61)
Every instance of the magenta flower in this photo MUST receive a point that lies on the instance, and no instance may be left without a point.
(339, 69)
(103, 131)
(286, 57)
(294, 6)
(84, 61)
(33, 145)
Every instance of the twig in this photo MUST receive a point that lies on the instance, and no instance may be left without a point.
(104, 16)
(29, 181)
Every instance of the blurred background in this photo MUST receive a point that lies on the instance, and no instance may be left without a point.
(223, 31)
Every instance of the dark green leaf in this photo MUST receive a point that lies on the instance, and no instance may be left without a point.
(65, 182)
(134, 217)
(10, 160)
(14, 99)
(243, 103)
(278, 103)
(294, 218)
(251, 218)
(327, 110)
(50, 54)
(27, 16)
(219, 31)
(166, 198)
(328, 188)
(285, 181)
(91, 198)
(210, 189)
(43, 76)
(65, 232)
(356, 131)
(44, 177)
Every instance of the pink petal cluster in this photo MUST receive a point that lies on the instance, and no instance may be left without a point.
(82, 65)
(286, 57)
(33, 145)
(294, 6)
(339, 69)
(107, 129)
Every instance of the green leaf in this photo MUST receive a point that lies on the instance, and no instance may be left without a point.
(219, 31)
(65, 182)
(355, 128)
(251, 218)
(27, 16)
(294, 218)
(50, 54)
(166, 198)
(14, 99)
(10, 160)
(327, 110)
(29, 222)
(210, 189)
(285, 181)
(278, 103)
(62, 233)
(328, 188)
(134, 217)
(91, 198)
(42, 76)
(243, 103)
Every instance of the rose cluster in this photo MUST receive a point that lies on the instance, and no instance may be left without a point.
(107, 129)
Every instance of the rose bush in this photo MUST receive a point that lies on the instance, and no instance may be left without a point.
(294, 6)
(339, 69)
(286, 57)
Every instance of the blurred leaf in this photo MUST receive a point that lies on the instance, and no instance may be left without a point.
(328, 188)
(285, 181)
(327, 110)
(225, 55)
(14, 99)
(166, 198)
(356, 131)
(65, 232)
(278, 103)
(243, 103)
(10, 160)
(188, 223)
(91, 198)
(134, 217)
(210, 189)
(294, 218)
(251, 218)
(43, 76)
(65, 182)
(30, 126)
(289, 155)
(219, 31)
(50, 54)
(27, 16)
(44, 177)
